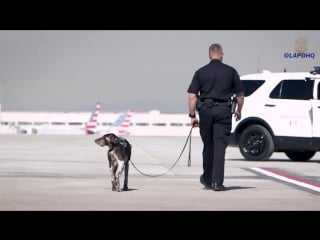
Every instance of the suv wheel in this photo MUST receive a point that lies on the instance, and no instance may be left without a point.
(256, 143)
(300, 156)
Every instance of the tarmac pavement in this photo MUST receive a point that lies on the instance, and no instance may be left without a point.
(70, 173)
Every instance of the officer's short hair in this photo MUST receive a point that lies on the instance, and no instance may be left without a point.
(216, 47)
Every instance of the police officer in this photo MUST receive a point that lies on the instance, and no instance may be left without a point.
(214, 84)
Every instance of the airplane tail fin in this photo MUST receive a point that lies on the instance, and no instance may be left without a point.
(122, 123)
(91, 126)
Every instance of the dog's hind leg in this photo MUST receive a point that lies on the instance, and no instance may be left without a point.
(126, 167)
(126, 172)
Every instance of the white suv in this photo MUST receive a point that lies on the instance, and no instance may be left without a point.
(281, 113)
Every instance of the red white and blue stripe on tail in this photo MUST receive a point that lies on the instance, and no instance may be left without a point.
(91, 126)
(121, 125)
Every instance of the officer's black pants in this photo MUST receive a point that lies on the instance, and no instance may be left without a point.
(215, 128)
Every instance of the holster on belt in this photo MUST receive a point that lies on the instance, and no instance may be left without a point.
(198, 103)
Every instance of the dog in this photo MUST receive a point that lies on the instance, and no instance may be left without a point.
(119, 155)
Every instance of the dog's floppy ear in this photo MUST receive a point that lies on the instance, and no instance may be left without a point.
(116, 140)
(113, 139)
(108, 139)
(119, 141)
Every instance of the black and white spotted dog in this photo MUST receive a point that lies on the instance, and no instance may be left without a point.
(119, 154)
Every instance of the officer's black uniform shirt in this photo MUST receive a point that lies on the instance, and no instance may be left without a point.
(216, 80)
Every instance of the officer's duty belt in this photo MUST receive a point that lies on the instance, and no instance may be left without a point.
(214, 102)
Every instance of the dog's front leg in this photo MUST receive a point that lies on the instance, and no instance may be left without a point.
(118, 174)
(112, 171)
(113, 178)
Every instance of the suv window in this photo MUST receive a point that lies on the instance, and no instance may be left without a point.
(251, 86)
(293, 89)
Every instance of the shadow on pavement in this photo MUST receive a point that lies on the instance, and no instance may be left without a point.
(236, 188)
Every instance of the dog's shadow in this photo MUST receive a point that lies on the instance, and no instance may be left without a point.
(236, 188)
(128, 190)
(229, 188)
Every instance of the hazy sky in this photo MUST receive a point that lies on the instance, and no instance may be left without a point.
(70, 70)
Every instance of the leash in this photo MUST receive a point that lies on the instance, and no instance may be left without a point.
(189, 159)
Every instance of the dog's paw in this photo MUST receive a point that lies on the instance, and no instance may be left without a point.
(114, 188)
(125, 188)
